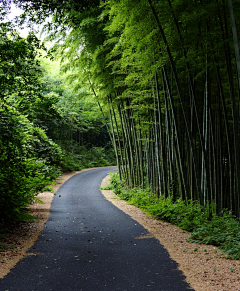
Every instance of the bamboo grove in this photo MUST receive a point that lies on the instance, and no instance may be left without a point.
(190, 146)
(167, 73)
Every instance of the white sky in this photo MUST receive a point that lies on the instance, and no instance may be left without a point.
(16, 12)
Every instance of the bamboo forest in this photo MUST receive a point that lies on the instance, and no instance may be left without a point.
(158, 80)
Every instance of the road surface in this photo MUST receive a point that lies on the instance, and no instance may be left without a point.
(89, 244)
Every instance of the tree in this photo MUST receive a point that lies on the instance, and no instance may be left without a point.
(28, 158)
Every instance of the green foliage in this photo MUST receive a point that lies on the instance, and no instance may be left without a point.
(116, 183)
(222, 231)
(108, 187)
(48, 152)
(19, 67)
(25, 168)
(46, 126)
(204, 224)
(79, 157)
(28, 158)
(78, 127)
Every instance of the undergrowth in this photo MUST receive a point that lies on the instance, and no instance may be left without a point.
(207, 227)
(77, 157)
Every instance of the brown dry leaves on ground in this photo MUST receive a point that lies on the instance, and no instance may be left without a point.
(204, 266)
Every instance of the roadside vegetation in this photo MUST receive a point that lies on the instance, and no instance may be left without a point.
(204, 224)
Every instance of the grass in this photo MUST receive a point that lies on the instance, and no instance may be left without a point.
(206, 227)
(108, 187)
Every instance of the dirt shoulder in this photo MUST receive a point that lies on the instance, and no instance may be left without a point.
(204, 266)
(23, 235)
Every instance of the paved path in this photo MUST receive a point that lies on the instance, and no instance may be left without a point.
(89, 244)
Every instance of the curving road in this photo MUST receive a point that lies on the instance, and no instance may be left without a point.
(89, 244)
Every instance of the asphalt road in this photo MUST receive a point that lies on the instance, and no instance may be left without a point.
(89, 244)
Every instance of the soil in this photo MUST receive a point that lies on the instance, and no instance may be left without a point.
(204, 266)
